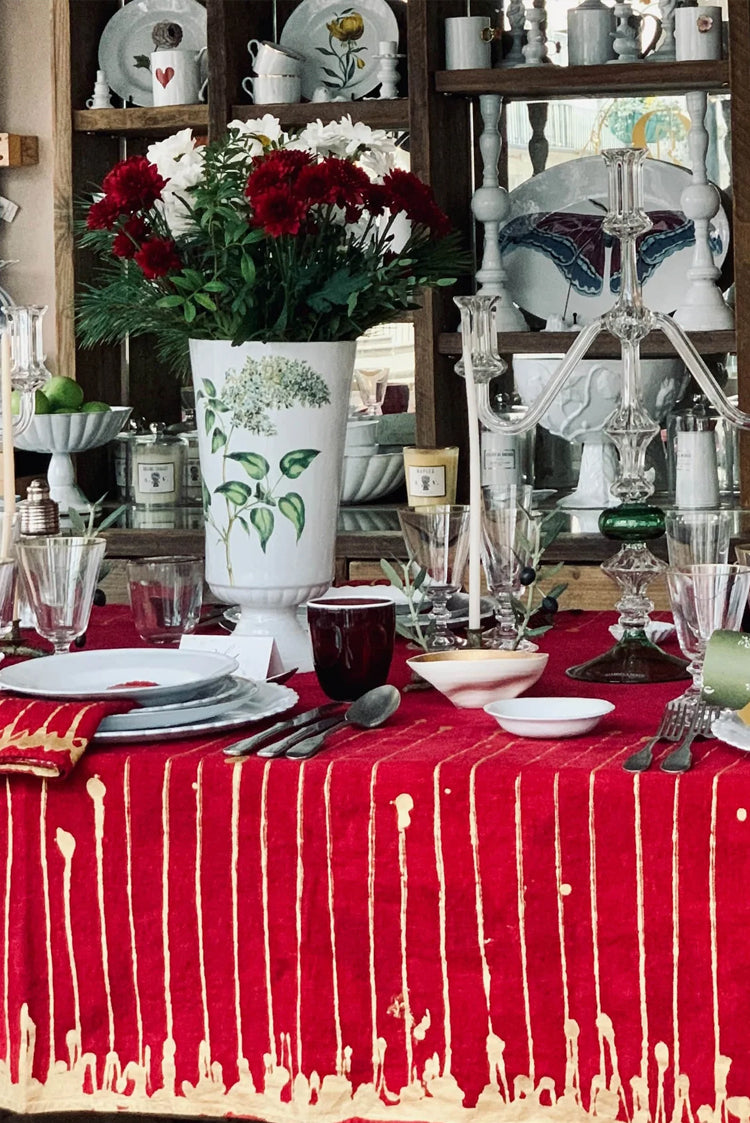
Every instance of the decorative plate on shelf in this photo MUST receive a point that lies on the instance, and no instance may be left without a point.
(558, 259)
(126, 42)
(340, 43)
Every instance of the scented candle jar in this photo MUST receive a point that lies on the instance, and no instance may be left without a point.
(157, 468)
(431, 475)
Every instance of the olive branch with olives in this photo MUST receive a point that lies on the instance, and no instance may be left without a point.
(534, 609)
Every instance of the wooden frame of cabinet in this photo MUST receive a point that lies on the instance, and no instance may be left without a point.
(437, 113)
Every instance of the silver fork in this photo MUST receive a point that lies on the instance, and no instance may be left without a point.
(681, 758)
(671, 727)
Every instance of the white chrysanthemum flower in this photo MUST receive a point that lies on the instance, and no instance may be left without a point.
(266, 129)
(168, 154)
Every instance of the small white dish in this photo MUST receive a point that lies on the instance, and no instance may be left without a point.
(548, 717)
(135, 673)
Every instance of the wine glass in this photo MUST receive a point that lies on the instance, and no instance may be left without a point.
(59, 575)
(372, 386)
(510, 542)
(437, 539)
(705, 598)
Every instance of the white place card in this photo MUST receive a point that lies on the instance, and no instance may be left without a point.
(258, 656)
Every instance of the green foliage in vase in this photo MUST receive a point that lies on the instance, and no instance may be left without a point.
(261, 235)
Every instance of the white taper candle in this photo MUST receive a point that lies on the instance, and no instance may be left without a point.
(475, 493)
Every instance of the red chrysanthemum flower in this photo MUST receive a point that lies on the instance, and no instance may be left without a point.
(134, 185)
(274, 169)
(128, 240)
(279, 212)
(103, 214)
(336, 181)
(376, 198)
(156, 257)
(408, 195)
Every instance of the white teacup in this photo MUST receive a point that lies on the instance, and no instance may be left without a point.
(272, 58)
(176, 76)
(273, 89)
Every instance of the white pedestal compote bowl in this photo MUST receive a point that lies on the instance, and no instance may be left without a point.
(63, 434)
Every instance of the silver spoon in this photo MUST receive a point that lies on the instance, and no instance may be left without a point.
(367, 712)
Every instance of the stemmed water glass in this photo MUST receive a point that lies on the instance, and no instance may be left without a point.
(59, 576)
(437, 539)
(705, 598)
(510, 542)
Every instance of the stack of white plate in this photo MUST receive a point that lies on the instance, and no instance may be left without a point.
(177, 693)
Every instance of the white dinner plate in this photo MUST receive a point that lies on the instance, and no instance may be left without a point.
(731, 729)
(556, 271)
(229, 693)
(114, 673)
(126, 39)
(349, 68)
(268, 700)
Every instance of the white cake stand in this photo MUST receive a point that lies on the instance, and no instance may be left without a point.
(62, 434)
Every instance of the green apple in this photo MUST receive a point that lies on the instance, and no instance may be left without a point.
(95, 407)
(41, 405)
(64, 395)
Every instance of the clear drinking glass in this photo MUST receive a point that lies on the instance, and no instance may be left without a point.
(705, 598)
(437, 539)
(510, 542)
(698, 537)
(59, 576)
(165, 594)
(372, 385)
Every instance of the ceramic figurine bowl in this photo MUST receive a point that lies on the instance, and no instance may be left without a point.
(549, 717)
(472, 677)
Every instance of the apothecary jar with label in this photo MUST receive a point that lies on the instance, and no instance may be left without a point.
(157, 468)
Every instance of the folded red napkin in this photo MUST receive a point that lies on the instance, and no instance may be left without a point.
(47, 738)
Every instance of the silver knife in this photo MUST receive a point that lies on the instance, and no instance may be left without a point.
(278, 748)
(249, 744)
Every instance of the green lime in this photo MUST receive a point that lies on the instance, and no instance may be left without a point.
(41, 402)
(15, 402)
(95, 407)
(64, 395)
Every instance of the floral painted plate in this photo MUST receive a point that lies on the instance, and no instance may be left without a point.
(340, 43)
(126, 42)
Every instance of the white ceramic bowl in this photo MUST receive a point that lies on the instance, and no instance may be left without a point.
(360, 434)
(370, 477)
(549, 717)
(472, 677)
(72, 432)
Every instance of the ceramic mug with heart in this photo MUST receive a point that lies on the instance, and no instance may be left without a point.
(176, 76)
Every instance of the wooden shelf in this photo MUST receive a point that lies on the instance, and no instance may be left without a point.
(142, 120)
(388, 113)
(606, 346)
(18, 151)
(551, 83)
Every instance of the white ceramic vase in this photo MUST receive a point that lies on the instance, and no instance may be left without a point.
(271, 420)
(581, 410)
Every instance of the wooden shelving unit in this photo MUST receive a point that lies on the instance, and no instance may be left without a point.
(605, 347)
(437, 109)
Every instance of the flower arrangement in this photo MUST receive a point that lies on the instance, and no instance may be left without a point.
(262, 235)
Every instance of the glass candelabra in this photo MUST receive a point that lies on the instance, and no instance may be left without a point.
(630, 427)
(28, 371)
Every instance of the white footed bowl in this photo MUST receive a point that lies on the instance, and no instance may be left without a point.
(72, 432)
(549, 717)
(371, 476)
(472, 677)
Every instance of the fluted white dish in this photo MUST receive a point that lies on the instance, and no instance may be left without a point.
(370, 477)
(62, 434)
(72, 432)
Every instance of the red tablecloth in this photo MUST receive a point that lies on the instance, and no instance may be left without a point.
(433, 921)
